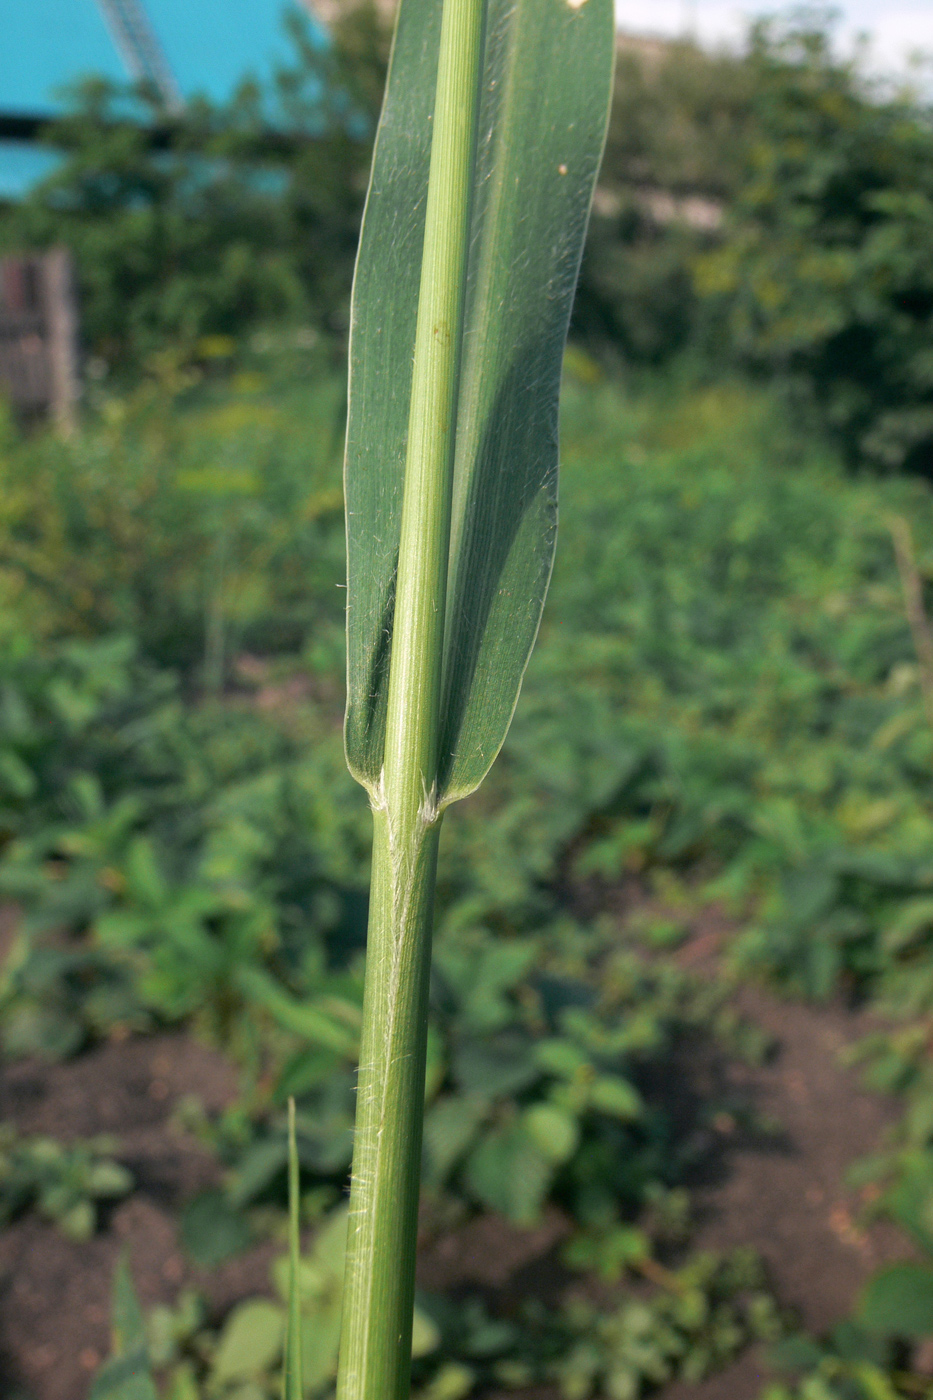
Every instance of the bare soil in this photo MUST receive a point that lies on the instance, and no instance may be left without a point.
(54, 1294)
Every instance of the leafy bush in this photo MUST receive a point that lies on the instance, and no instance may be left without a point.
(537, 1076)
(203, 523)
(823, 270)
(772, 208)
(675, 154)
(541, 1086)
(851, 1364)
(712, 1308)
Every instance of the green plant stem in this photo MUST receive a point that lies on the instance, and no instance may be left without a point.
(378, 1299)
(421, 587)
(375, 1356)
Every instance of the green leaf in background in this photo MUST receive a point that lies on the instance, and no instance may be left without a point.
(898, 1301)
(910, 1199)
(250, 1343)
(425, 1334)
(509, 1172)
(450, 1126)
(501, 1064)
(212, 1229)
(314, 1023)
(546, 81)
(553, 1131)
(616, 1096)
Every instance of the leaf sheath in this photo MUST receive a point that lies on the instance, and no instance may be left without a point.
(375, 1349)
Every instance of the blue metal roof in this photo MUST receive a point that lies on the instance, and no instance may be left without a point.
(48, 45)
(21, 165)
(210, 45)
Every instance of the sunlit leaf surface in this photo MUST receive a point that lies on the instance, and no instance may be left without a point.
(546, 82)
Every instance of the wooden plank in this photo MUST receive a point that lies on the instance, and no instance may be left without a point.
(61, 312)
(39, 361)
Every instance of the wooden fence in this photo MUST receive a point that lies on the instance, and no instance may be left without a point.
(39, 335)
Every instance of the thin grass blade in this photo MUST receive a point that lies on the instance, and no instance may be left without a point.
(126, 1374)
(292, 1387)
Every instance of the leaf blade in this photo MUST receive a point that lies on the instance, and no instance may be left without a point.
(547, 76)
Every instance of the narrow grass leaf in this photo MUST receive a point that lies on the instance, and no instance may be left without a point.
(292, 1387)
(545, 95)
(126, 1374)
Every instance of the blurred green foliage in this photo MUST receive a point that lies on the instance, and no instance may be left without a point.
(823, 272)
(695, 1323)
(202, 521)
(192, 229)
(768, 209)
(62, 1182)
(772, 209)
(717, 570)
(724, 713)
(851, 1363)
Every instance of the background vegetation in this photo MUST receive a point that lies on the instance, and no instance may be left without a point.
(729, 709)
(769, 208)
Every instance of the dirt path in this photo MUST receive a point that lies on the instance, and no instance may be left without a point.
(788, 1195)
